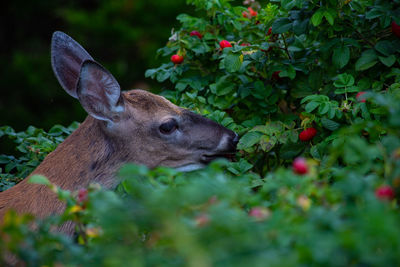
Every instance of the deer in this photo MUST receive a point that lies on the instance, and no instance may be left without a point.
(133, 126)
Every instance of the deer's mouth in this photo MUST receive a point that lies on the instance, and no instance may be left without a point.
(207, 158)
(204, 160)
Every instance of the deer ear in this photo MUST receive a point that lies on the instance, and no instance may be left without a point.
(67, 57)
(99, 92)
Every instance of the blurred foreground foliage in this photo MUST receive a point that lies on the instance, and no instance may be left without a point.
(294, 65)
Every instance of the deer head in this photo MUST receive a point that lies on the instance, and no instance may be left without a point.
(148, 129)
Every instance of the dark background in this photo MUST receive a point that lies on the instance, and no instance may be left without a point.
(123, 35)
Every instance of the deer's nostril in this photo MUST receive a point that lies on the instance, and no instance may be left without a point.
(235, 140)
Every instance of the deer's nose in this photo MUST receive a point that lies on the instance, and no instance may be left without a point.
(235, 140)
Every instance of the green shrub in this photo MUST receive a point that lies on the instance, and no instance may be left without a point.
(33, 145)
(304, 73)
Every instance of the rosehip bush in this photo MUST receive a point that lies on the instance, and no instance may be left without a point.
(293, 65)
(313, 89)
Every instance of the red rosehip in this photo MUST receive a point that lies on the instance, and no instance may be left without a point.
(307, 134)
(177, 59)
(252, 12)
(245, 44)
(202, 220)
(224, 44)
(360, 98)
(385, 192)
(300, 166)
(275, 75)
(196, 33)
(259, 213)
(395, 29)
(82, 195)
(269, 31)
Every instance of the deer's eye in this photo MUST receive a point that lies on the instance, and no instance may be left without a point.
(168, 127)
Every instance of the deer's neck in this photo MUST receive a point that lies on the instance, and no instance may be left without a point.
(87, 155)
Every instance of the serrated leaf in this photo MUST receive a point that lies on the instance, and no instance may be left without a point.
(314, 152)
(288, 4)
(367, 60)
(329, 124)
(150, 73)
(329, 17)
(388, 61)
(249, 139)
(385, 47)
(232, 62)
(267, 142)
(373, 13)
(289, 72)
(222, 87)
(323, 108)
(316, 18)
(311, 106)
(344, 80)
(331, 113)
(237, 25)
(341, 56)
(281, 25)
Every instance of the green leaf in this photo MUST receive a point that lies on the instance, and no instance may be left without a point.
(223, 86)
(329, 124)
(288, 4)
(329, 16)
(150, 73)
(367, 60)
(385, 47)
(316, 19)
(344, 80)
(324, 108)
(281, 25)
(163, 75)
(290, 150)
(311, 106)
(232, 62)
(373, 13)
(388, 61)
(4, 159)
(39, 179)
(237, 25)
(249, 139)
(289, 71)
(267, 142)
(341, 56)
(343, 90)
